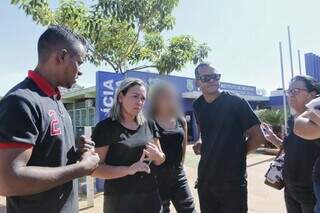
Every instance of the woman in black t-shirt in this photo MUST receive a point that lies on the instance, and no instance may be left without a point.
(127, 145)
(172, 181)
(300, 154)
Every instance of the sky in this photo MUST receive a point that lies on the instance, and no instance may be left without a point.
(243, 36)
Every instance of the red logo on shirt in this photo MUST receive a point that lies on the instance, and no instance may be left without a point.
(54, 124)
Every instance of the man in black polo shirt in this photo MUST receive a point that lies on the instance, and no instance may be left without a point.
(229, 130)
(37, 151)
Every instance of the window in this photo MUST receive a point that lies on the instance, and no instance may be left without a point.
(80, 104)
(71, 116)
(91, 116)
(84, 117)
(77, 118)
(68, 106)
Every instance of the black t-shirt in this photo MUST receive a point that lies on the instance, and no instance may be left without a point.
(300, 158)
(223, 124)
(30, 116)
(125, 148)
(171, 143)
(316, 169)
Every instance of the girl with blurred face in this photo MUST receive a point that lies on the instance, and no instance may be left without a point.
(172, 182)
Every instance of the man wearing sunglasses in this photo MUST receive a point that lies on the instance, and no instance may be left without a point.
(229, 130)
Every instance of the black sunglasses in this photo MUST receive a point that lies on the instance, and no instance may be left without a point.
(207, 78)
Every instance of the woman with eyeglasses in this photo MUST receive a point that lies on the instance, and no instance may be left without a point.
(127, 145)
(172, 181)
(300, 154)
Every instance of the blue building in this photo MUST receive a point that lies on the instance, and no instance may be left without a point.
(312, 63)
(276, 99)
(89, 105)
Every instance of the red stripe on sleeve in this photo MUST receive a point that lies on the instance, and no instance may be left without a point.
(12, 145)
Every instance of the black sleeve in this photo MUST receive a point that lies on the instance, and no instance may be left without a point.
(196, 117)
(245, 114)
(18, 120)
(154, 129)
(102, 133)
(195, 111)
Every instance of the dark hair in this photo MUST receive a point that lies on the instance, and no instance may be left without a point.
(200, 66)
(311, 83)
(57, 37)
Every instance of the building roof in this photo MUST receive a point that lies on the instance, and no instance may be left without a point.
(86, 93)
(278, 92)
(90, 92)
(185, 86)
(196, 94)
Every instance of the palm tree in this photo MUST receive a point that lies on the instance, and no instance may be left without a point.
(275, 118)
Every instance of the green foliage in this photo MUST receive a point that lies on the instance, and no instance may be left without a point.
(151, 15)
(38, 9)
(180, 50)
(269, 116)
(123, 33)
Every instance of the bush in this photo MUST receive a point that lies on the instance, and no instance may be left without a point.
(273, 117)
(270, 116)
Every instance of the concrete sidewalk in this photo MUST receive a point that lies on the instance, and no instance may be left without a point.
(261, 198)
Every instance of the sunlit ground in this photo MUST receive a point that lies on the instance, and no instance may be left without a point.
(262, 198)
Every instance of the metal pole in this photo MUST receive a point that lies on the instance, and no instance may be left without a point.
(90, 180)
(290, 51)
(299, 59)
(284, 89)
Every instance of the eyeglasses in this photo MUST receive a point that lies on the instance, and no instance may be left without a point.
(295, 91)
(207, 78)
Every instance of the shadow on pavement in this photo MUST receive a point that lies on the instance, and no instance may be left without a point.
(260, 162)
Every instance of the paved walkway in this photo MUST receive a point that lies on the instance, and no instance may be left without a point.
(261, 198)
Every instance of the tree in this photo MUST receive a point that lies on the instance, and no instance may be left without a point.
(125, 34)
(272, 117)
